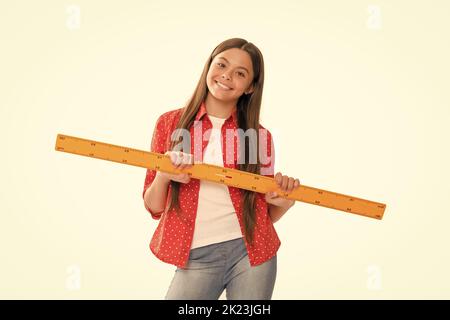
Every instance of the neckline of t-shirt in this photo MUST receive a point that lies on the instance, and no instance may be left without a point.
(216, 118)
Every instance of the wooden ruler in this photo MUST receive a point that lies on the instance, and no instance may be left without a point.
(232, 177)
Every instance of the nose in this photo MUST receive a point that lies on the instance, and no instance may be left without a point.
(225, 76)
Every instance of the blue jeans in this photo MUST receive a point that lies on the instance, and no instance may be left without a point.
(219, 266)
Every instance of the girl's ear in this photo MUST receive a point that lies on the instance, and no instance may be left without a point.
(249, 90)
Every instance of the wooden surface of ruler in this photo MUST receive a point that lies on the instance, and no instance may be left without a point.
(228, 176)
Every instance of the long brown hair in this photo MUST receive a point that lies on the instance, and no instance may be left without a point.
(248, 110)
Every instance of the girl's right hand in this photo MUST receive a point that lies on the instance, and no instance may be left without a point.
(180, 160)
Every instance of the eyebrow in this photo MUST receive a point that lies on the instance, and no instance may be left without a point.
(238, 67)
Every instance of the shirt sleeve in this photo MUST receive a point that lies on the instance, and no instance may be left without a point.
(158, 145)
(268, 155)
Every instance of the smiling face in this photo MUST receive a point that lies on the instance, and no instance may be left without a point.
(230, 75)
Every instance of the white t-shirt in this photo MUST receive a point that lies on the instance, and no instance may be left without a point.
(216, 219)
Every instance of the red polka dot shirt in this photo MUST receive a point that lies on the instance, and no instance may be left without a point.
(172, 239)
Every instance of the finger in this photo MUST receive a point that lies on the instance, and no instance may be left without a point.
(180, 178)
(171, 176)
(182, 164)
(296, 183)
(271, 195)
(278, 178)
(188, 159)
(179, 158)
(186, 166)
(186, 178)
(290, 184)
(284, 183)
(173, 157)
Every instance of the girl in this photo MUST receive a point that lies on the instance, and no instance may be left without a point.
(219, 237)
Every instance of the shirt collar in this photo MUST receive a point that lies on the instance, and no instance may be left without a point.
(202, 111)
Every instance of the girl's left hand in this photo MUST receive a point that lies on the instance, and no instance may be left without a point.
(287, 184)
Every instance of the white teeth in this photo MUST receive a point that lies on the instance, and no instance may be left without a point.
(223, 86)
